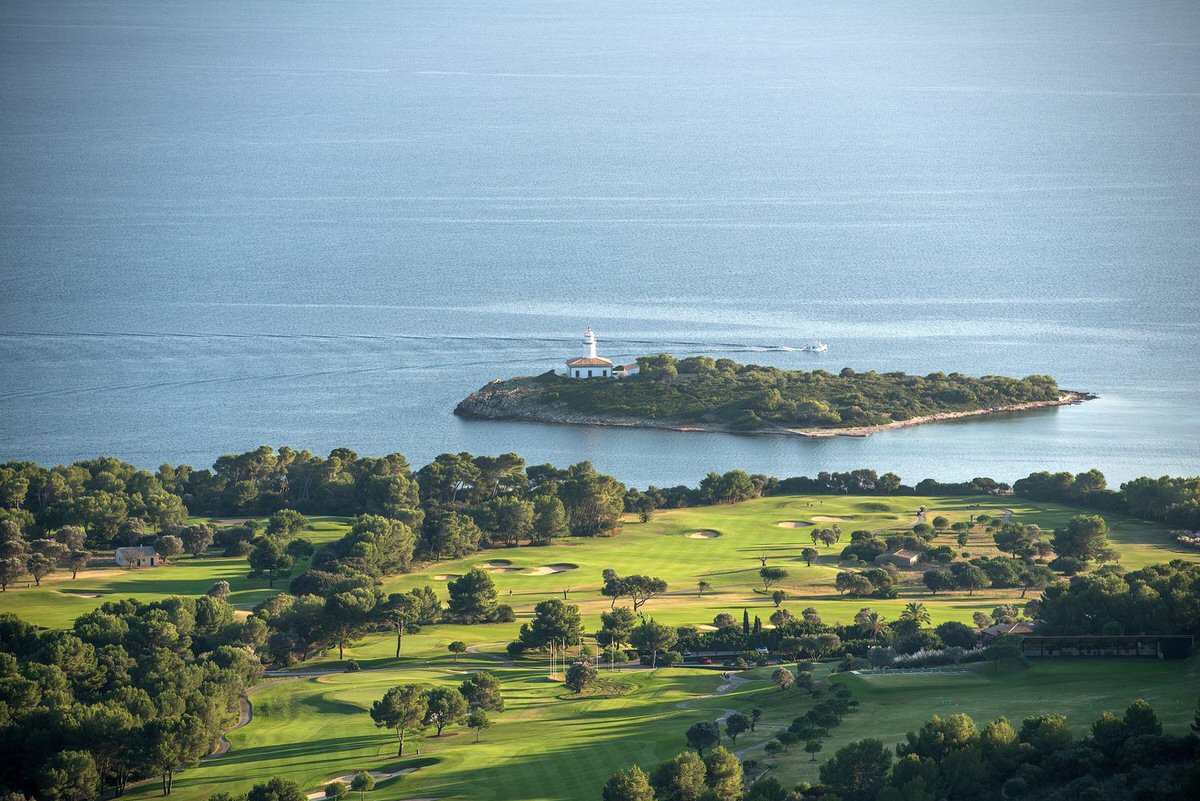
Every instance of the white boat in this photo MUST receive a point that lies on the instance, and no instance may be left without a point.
(815, 347)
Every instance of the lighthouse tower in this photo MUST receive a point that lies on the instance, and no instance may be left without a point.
(590, 366)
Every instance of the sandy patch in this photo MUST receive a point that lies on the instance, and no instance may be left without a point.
(825, 519)
(505, 570)
(377, 775)
(794, 523)
(707, 627)
(443, 577)
(495, 564)
(703, 534)
(549, 570)
(81, 593)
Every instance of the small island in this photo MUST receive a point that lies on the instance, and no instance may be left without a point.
(700, 393)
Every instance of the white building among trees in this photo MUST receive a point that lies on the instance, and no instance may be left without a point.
(590, 366)
(138, 556)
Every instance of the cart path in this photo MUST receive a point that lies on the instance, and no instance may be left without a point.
(246, 715)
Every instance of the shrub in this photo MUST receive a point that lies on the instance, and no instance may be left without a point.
(580, 675)
(848, 664)
(669, 658)
(1067, 565)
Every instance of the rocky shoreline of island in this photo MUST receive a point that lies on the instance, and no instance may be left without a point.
(517, 401)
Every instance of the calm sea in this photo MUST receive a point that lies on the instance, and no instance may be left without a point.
(225, 223)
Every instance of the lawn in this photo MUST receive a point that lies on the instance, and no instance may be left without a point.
(547, 744)
(60, 599)
(551, 745)
(730, 562)
(892, 704)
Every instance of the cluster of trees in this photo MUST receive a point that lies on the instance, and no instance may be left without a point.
(455, 504)
(807, 637)
(41, 557)
(878, 582)
(327, 610)
(984, 572)
(460, 502)
(412, 708)
(715, 776)
(558, 624)
(97, 495)
(278, 788)
(815, 724)
(1082, 541)
(131, 691)
(1159, 599)
(1125, 756)
(864, 545)
(733, 486)
(1175, 501)
(748, 397)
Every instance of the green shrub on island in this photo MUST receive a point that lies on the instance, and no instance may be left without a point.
(750, 397)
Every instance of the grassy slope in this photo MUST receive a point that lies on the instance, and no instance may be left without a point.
(55, 604)
(544, 747)
(549, 745)
(541, 747)
(895, 704)
(730, 562)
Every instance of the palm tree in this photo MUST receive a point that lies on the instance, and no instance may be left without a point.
(872, 624)
(916, 612)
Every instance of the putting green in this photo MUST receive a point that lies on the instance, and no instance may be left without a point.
(551, 745)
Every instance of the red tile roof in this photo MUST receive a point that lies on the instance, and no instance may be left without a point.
(587, 361)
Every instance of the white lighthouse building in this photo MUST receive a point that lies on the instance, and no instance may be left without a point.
(590, 366)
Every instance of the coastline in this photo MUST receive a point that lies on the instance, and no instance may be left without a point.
(486, 404)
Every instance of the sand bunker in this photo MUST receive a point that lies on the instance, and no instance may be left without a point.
(703, 534)
(495, 564)
(794, 523)
(707, 627)
(377, 775)
(446, 576)
(505, 570)
(549, 570)
(824, 519)
(81, 594)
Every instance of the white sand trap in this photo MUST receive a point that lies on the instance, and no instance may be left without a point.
(445, 576)
(707, 627)
(377, 775)
(505, 570)
(495, 564)
(824, 519)
(703, 534)
(550, 570)
(81, 593)
(794, 523)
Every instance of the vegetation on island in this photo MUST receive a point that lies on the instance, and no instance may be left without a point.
(700, 390)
